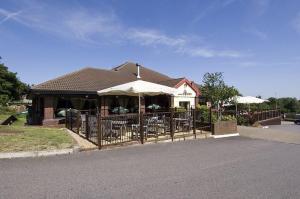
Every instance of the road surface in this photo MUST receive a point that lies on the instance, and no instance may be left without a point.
(213, 168)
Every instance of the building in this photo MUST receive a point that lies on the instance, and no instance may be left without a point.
(78, 90)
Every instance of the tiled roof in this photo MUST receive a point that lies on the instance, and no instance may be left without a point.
(171, 82)
(93, 79)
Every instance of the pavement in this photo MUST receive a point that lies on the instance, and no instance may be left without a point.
(288, 132)
(236, 167)
(84, 144)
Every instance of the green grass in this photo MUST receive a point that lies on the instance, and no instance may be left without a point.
(17, 138)
(4, 117)
(5, 113)
(21, 118)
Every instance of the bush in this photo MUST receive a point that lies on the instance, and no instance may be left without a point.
(205, 114)
(6, 110)
(228, 118)
(4, 100)
(242, 120)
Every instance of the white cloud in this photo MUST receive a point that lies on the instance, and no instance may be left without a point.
(6, 15)
(182, 45)
(98, 27)
(153, 38)
(210, 53)
(84, 25)
(257, 33)
(274, 63)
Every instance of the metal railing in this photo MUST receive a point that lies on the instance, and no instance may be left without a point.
(144, 127)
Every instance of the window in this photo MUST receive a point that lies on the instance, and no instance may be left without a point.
(184, 104)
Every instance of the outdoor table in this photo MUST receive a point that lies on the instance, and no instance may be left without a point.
(178, 121)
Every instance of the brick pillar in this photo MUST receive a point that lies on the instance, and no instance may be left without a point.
(48, 108)
(103, 106)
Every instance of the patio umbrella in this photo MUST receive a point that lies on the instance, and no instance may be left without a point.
(247, 100)
(154, 106)
(138, 88)
(120, 109)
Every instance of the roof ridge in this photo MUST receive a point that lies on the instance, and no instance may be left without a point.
(144, 67)
(63, 76)
(116, 68)
(172, 79)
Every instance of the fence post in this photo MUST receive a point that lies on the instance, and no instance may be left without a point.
(194, 122)
(87, 127)
(172, 124)
(99, 132)
(142, 127)
(66, 119)
(71, 118)
(77, 120)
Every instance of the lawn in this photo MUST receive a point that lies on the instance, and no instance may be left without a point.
(5, 113)
(18, 137)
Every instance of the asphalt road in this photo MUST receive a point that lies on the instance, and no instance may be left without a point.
(287, 127)
(287, 132)
(213, 168)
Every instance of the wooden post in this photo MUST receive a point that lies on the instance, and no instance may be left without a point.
(99, 131)
(172, 124)
(142, 127)
(194, 122)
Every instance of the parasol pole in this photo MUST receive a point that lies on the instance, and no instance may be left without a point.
(139, 108)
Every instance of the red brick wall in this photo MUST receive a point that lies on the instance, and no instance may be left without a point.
(48, 108)
(103, 106)
(224, 127)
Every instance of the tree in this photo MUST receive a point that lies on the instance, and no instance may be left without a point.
(215, 90)
(11, 88)
(286, 104)
(289, 105)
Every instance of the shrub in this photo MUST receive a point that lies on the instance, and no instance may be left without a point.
(4, 100)
(228, 118)
(204, 114)
(242, 120)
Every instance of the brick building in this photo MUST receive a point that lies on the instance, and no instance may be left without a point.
(78, 90)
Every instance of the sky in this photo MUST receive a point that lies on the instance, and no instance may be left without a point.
(255, 43)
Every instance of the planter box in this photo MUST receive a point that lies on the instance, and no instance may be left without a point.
(224, 127)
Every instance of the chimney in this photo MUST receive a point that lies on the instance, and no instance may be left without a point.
(138, 71)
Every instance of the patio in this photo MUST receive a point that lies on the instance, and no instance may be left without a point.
(138, 128)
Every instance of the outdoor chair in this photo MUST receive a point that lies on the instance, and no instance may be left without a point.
(154, 126)
(187, 124)
(111, 131)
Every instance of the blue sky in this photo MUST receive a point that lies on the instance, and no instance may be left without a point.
(256, 43)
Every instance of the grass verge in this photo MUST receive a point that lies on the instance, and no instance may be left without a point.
(18, 138)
